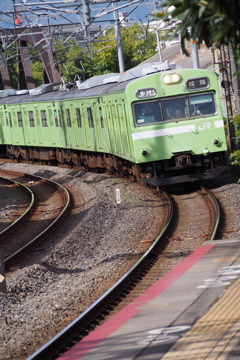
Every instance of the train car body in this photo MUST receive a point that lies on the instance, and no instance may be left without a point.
(157, 123)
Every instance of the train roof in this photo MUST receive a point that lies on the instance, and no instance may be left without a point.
(95, 86)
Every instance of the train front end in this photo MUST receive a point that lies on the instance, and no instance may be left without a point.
(177, 131)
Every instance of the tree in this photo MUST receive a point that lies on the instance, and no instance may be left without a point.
(216, 22)
(138, 45)
(96, 58)
(101, 57)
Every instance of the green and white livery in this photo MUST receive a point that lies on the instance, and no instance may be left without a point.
(156, 123)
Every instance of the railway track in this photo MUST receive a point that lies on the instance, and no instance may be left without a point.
(46, 204)
(147, 270)
(18, 211)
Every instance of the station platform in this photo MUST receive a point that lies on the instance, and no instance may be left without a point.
(191, 313)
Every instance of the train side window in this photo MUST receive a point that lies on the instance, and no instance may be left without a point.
(90, 117)
(56, 118)
(68, 117)
(44, 118)
(20, 120)
(202, 104)
(31, 119)
(10, 119)
(175, 108)
(60, 118)
(101, 117)
(79, 118)
(147, 112)
(7, 118)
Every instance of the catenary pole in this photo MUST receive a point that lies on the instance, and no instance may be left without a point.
(119, 40)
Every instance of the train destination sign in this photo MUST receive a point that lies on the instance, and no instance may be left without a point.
(198, 83)
(145, 93)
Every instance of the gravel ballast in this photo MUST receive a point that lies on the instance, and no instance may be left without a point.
(88, 252)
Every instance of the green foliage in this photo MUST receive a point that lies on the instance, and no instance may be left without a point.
(235, 156)
(215, 22)
(101, 57)
(137, 47)
(13, 66)
(13, 70)
(96, 58)
(69, 57)
(37, 68)
(236, 122)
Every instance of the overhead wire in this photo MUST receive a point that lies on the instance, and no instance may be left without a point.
(56, 10)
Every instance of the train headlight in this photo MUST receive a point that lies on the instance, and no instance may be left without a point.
(145, 152)
(217, 142)
(172, 78)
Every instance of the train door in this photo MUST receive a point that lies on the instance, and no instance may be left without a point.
(57, 127)
(6, 125)
(54, 125)
(26, 125)
(2, 126)
(123, 129)
(100, 116)
(110, 126)
(32, 127)
(116, 129)
(45, 128)
(62, 127)
(91, 141)
(37, 121)
(20, 132)
(79, 128)
(12, 125)
(67, 112)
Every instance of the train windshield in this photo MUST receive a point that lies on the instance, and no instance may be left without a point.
(202, 105)
(147, 112)
(176, 108)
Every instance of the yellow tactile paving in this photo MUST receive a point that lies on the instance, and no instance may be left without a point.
(210, 337)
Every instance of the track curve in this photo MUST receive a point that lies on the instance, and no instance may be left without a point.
(52, 205)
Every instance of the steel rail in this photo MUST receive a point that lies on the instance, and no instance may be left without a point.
(37, 238)
(105, 301)
(217, 212)
(26, 213)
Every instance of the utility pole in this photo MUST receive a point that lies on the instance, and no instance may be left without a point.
(119, 39)
(195, 57)
(159, 46)
(87, 19)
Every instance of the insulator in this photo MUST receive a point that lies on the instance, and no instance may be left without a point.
(70, 11)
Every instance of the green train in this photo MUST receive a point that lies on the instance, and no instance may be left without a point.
(155, 123)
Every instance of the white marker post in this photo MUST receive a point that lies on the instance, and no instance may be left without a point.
(3, 286)
(118, 196)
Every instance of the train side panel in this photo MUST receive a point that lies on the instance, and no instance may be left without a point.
(118, 125)
(67, 124)
(100, 126)
(165, 127)
(6, 133)
(78, 125)
(2, 125)
(20, 124)
(34, 124)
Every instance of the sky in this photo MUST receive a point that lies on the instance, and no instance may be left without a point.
(141, 12)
